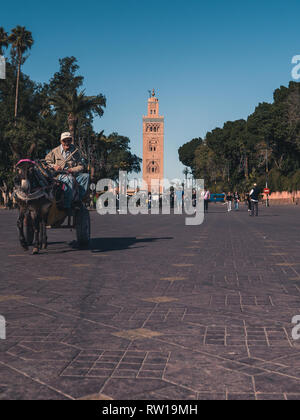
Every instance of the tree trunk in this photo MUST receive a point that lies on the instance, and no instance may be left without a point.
(72, 122)
(17, 86)
(246, 168)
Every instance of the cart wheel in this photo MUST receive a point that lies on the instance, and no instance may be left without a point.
(28, 230)
(83, 227)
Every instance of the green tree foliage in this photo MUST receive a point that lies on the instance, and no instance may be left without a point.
(187, 152)
(31, 128)
(64, 82)
(3, 40)
(266, 146)
(74, 105)
(44, 111)
(111, 154)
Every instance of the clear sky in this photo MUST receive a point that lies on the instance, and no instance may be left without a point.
(209, 61)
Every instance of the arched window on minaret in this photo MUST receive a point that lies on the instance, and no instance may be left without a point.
(152, 145)
(153, 167)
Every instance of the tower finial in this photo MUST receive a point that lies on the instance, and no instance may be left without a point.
(153, 92)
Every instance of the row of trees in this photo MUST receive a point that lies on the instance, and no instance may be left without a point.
(32, 115)
(263, 148)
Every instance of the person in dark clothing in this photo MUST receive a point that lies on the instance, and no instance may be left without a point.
(254, 197)
(248, 200)
(206, 199)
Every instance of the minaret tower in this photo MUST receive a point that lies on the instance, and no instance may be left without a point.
(153, 143)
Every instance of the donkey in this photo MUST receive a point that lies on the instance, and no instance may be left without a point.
(34, 197)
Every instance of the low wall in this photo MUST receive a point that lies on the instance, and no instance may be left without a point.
(284, 197)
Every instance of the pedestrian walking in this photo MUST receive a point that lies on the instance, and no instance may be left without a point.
(254, 197)
(194, 197)
(206, 199)
(229, 199)
(248, 202)
(149, 200)
(236, 200)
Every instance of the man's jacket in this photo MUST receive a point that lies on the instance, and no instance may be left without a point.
(75, 163)
(254, 194)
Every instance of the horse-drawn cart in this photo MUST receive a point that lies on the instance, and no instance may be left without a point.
(80, 222)
(41, 208)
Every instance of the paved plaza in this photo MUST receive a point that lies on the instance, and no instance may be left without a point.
(154, 309)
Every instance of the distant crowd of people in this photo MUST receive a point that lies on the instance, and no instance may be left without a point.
(232, 200)
(176, 199)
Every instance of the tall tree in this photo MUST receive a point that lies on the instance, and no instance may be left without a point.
(187, 152)
(65, 80)
(21, 40)
(3, 40)
(76, 105)
(112, 153)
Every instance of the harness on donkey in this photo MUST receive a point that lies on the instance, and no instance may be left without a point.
(42, 183)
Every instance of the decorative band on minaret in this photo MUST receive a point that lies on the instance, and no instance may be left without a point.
(153, 143)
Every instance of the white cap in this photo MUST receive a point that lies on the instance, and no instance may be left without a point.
(65, 135)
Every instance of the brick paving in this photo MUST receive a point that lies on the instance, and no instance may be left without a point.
(154, 309)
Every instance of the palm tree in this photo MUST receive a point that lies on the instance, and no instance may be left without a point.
(76, 105)
(20, 40)
(3, 40)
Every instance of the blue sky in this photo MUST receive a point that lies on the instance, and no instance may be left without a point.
(209, 62)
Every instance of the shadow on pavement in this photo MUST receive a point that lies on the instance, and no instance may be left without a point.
(116, 244)
(268, 215)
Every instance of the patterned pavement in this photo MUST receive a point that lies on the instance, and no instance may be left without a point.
(154, 309)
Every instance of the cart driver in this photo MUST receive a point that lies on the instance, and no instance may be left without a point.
(66, 159)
